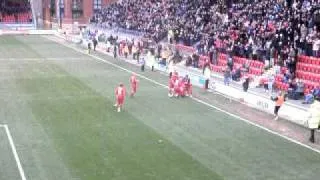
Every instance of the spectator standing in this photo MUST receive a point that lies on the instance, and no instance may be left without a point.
(126, 51)
(143, 62)
(115, 51)
(134, 52)
(95, 43)
(245, 84)
(314, 119)
(170, 68)
(227, 76)
(230, 63)
(316, 47)
(207, 76)
(270, 83)
(89, 48)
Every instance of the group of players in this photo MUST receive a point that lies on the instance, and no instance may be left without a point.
(178, 87)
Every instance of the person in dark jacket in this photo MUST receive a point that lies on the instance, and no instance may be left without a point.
(95, 43)
(89, 48)
(115, 51)
(245, 84)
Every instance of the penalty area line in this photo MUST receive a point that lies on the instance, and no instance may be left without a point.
(195, 99)
(14, 151)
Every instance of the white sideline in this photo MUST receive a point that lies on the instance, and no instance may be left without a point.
(14, 151)
(196, 99)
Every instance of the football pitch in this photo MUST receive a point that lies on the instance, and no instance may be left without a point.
(57, 122)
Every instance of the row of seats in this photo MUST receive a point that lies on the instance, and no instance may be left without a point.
(256, 64)
(309, 60)
(255, 67)
(308, 67)
(21, 18)
(308, 76)
(309, 85)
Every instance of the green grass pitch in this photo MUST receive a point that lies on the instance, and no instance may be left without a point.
(58, 104)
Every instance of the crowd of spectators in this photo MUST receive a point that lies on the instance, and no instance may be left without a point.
(271, 29)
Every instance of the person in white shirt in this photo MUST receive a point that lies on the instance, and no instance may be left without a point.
(316, 47)
(207, 75)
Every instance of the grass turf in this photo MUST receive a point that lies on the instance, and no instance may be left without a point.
(65, 106)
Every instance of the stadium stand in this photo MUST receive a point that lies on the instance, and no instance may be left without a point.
(279, 38)
(12, 11)
(248, 28)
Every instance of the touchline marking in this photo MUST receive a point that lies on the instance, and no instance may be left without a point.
(14, 151)
(195, 99)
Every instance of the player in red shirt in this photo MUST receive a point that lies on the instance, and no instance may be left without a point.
(182, 87)
(134, 84)
(187, 86)
(175, 76)
(177, 87)
(120, 93)
(172, 81)
(171, 87)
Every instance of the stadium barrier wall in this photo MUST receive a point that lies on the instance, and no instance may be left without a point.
(296, 114)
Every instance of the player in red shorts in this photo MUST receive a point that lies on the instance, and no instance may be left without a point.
(120, 96)
(134, 84)
(182, 92)
(188, 86)
(171, 87)
(177, 87)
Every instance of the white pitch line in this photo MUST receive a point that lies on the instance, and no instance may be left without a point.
(196, 99)
(14, 151)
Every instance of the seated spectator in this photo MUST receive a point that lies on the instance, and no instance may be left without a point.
(292, 88)
(299, 91)
(287, 76)
(292, 84)
(236, 74)
(316, 92)
(308, 98)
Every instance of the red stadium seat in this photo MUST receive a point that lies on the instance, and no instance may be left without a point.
(222, 56)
